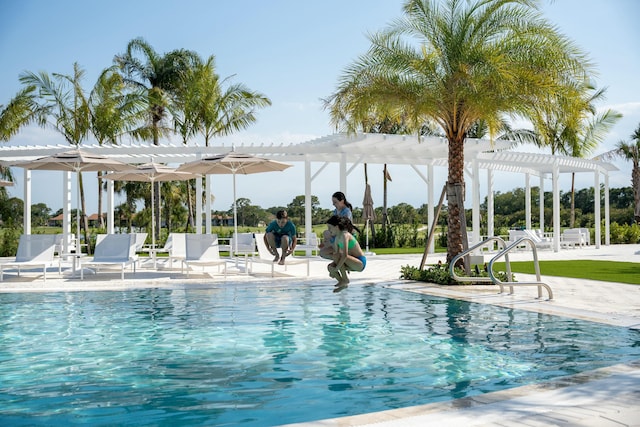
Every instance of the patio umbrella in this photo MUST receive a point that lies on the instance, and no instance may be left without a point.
(151, 172)
(75, 160)
(368, 213)
(233, 163)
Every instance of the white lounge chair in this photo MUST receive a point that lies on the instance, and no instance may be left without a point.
(177, 247)
(174, 245)
(540, 242)
(202, 250)
(34, 250)
(140, 239)
(573, 237)
(112, 250)
(265, 257)
(310, 244)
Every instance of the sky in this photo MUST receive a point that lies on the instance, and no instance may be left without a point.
(293, 52)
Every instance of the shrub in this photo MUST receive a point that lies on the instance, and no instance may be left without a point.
(440, 275)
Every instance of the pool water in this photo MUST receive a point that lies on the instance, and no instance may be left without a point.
(267, 354)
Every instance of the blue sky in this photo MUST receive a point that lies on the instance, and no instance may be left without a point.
(293, 51)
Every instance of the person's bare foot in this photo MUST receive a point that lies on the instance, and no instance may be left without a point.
(281, 261)
(276, 256)
(340, 286)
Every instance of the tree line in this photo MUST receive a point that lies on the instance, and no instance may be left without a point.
(509, 211)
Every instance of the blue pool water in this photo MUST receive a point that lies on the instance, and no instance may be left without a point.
(263, 354)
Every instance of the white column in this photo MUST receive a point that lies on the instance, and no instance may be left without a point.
(527, 201)
(596, 210)
(26, 219)
(207, 202)
(490, 204)
(307, 202)
(111, 223)
(556, 206)
(431, 212)
(475, 197)
(66, 210)
(343, 173)
(199, 205)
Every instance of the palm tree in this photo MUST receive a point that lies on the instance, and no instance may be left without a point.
(458, 61)
(630, 151)
(18, 113)
(573, 127)
(115, 112)
(59, 101)
(206, 106)
(158, 75)
(202, 105)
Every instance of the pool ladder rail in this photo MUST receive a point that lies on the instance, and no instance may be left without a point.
(505, 251)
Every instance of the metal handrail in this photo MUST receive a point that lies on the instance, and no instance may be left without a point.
(505, 251)
(455, 259)
(536, 266)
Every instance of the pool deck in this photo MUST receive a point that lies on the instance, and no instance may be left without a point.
(604, 397)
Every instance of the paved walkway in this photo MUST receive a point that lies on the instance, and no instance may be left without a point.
(602, 398)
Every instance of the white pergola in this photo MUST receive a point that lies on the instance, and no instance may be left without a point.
(422, 154)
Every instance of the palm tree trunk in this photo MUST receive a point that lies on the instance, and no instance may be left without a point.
(455, 196)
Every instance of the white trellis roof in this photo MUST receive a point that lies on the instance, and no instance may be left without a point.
(359, 148)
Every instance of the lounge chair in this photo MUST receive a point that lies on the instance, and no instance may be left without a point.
(174, 245)
(140, 239)
(112, 250)
(202, 250)
(34, 250)
(310, 244)
(573, 237)
(265, 257)
(540, 242)
(177, 247)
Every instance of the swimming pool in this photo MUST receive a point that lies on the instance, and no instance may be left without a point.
(263, 354)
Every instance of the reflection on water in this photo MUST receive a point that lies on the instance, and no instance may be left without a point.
(270, 354)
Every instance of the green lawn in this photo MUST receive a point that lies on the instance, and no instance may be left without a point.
(608, 271)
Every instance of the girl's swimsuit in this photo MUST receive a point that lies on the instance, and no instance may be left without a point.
(351, 244)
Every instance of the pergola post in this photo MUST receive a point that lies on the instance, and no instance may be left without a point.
(475, 196)
(607, 231)
(431, 211)
(541, 202)
(490, 206)
(26, 219)
(556, 206)
(596, 208)
(308, 217)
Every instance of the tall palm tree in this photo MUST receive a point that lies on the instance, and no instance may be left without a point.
(158, 75)
(630, 151)
(204, 104)
(115, 112)
(573, 127)
(454, 62)
(207, 105)
(59, 101)
(17, 113)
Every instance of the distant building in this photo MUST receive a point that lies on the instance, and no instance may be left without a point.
(219, 220)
